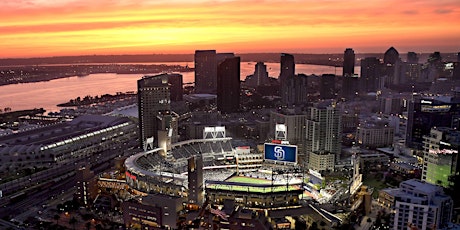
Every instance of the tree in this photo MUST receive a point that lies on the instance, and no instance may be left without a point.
(73, 221)
(314, 226)
(453, 188)
(88, 225)
(300, 224)
(56, 217)
(322, 223)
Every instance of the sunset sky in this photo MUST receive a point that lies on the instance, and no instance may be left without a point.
(37, 28)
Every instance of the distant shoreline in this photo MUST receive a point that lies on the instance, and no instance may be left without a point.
(333, 59)
(41, 73)
(88, 100)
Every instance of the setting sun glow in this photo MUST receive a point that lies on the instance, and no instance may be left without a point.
(32, 28)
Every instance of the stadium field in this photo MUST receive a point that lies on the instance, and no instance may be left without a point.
(242, 188)
(249, 180)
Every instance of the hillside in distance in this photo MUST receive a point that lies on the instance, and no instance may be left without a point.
(319, 59)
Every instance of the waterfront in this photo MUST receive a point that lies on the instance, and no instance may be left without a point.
(48, 94)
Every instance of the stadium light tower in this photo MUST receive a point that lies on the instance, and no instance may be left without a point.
(280, 132)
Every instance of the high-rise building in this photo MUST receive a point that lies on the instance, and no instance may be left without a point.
(287, 67)
(153, 95)
(195, 180)
(348, 63)
(350, 81)
(425, 113)
(175, 86)
(259, 78)
(260, 74)
(228, 85)
(287, 72)
(370, 74)
(87, 189)
(417, 205)
(391, 56)
(412, 58)
(350, 87)
(391, 104)
(327, 86)
(441, 157)
(220, 57)
(456, 71)
(413, 72)
(205, 71)
(295, 90)
(323, 133)
(375, 134)
(294, 121)
(390, 59)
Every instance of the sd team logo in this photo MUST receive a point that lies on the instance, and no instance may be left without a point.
(279, 153)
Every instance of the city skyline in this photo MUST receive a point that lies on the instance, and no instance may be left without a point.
(38, 28)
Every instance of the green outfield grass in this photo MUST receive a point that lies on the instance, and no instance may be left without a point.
(249, 180)
(252, 189)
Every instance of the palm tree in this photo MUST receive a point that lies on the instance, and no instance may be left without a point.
(73, 221)
(56, 217)
(88, 225)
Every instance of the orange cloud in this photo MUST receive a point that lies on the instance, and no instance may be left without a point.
(42, 28)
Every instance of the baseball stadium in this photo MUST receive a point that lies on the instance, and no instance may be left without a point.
(229, 172)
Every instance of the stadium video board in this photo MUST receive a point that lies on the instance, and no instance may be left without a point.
(281, 153)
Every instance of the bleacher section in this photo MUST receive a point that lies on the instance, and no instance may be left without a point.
(218, 175)
(150, 161)
(215, 153)
(210, 149)
(205, 147)
(226, 146)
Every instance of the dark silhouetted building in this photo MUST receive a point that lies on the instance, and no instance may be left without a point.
(205, 71)
(195, 180)
(287, 71)
(260, 76)
(391, 56)
(391, 65)
(456, 71)
(175, 86)
(299, 95)
(228, 85)
(348, 63)
(370, 74)
(87, 189)
(295, 90)
(327, 87)
(287, 67)
(426, 113)
(154, 211)
(412, 58)
(350, 87)
(153, 94)
(220, 57)
(350, 82)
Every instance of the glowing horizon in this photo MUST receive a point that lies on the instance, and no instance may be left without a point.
(38, 28)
